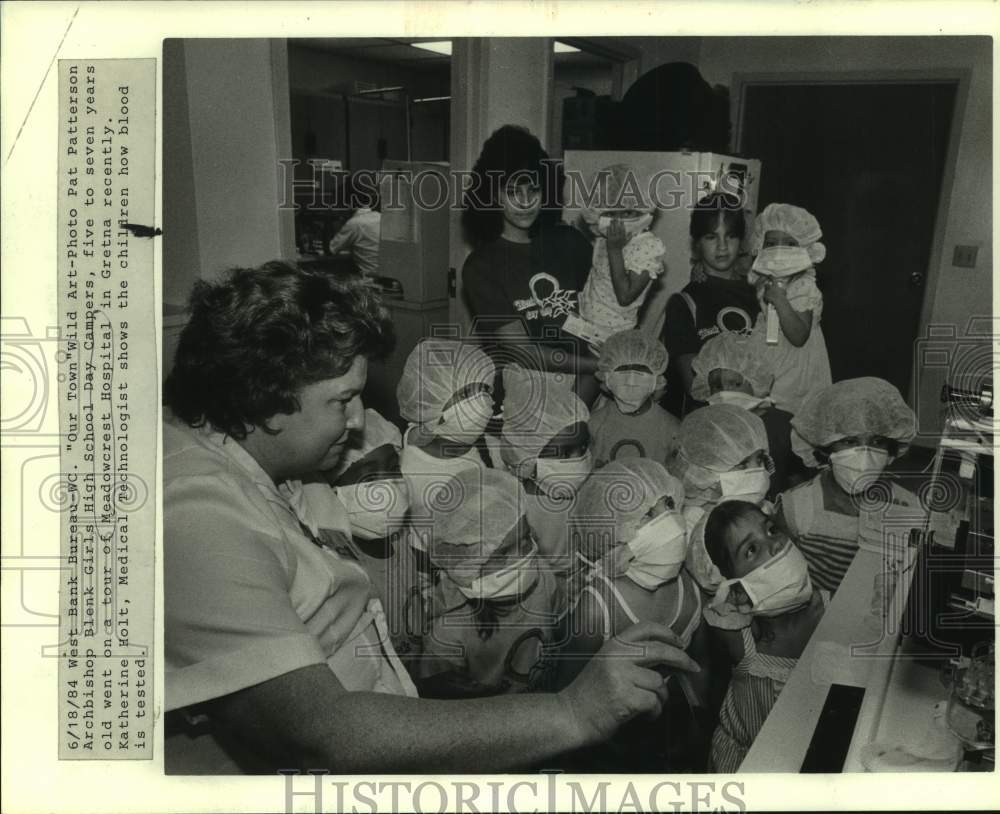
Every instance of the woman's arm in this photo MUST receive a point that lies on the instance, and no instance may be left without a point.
(306, 719)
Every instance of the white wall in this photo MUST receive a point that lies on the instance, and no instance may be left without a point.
(952, 295)
(222, 180)
(493, 82)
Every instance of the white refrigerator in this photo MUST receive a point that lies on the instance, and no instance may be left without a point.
(675, 181)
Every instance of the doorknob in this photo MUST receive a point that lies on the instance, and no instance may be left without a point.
(917, 279)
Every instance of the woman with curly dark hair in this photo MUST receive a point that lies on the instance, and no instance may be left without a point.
(276, 647)
(525, 273)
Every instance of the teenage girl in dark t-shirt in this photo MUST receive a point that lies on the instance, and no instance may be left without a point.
(524, 276)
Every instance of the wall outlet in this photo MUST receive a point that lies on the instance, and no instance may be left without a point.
(965, 257)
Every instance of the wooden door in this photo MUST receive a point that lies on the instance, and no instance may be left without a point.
(867, 160)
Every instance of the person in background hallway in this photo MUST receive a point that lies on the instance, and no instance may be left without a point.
(359, 237)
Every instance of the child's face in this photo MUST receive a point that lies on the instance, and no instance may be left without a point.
(752, 540)
(719, 249)
(753, 461)
(623, 214)
(662, 506)
(775, 237)
(722, 379)
(515, 546)
(875, 441)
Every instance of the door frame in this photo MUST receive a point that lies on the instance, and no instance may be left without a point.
(960, 76)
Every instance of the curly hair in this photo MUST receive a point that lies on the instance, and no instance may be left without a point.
(510, 151)
(255, 339)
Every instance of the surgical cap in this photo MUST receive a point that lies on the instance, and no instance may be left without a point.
(617, 187)
(376, 433)
(631, 348)
(793, 220)
(731, 351)
(474, 514)
(698, 563)
(534, 412)
(864, 406)
(435, 371)
(713, 440)
(616, 495)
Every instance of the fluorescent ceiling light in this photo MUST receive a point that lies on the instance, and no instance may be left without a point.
(444, 47)
(437, 46)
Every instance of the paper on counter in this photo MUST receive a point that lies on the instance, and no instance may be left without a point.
(833, 663)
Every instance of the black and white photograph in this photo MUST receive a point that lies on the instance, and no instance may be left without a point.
(583, 404)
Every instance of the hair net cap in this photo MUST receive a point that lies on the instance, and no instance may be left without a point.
(698, 563)
(534, 412)
(732, 351)
(793, 220)
(472, 517)
(714, 439)
(864, 406)
(616, 187)
(435, 371)
(377, 432)
(631, 348)
(618, 496)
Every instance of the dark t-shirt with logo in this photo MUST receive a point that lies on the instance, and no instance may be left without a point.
(537, 282)
(719, 305)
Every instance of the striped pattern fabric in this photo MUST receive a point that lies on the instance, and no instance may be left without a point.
(756, 683)
(828, 540)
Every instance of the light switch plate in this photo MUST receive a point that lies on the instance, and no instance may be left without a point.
(965, 257)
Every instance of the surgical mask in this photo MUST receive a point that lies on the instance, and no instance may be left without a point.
(750, 485)
(857, 467)
(658, 548)
(738, 399)
(782, 261)
(515, 579)
(631, 388)
(375, 508)
(779, 585)
(465, 421)
(556, 476)
(633, 226)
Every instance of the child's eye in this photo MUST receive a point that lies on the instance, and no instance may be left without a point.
(772, 530)
(751, 552)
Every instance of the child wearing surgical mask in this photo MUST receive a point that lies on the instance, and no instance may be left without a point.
(495, 607)
(376, 501)
(629, 531)
(735, 369)
(627, 256)
(852, 430)
(545, 443)
(722, 454)
(630, 424)
(766, 581)
(445, 395)
(786, 243)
